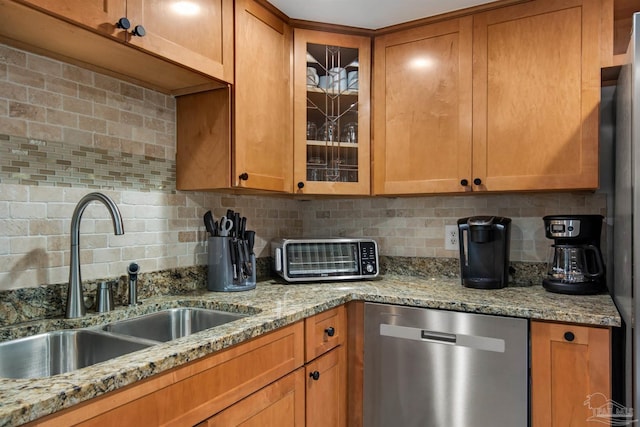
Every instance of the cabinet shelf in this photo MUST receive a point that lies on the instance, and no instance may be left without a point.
(332, 92)
(335, 144)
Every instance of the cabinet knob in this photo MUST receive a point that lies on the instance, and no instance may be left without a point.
(123, 23)
(464, 182)
(315, 375)
(569, 336)
(301, 185)
(330, 331)
(244, 176)
(477, 181)
(139, 31)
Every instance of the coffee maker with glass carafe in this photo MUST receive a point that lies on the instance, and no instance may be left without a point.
(575, 263)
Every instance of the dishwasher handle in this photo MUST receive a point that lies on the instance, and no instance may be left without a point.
(438, 336)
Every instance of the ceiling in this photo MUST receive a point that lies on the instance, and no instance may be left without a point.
(369, 14)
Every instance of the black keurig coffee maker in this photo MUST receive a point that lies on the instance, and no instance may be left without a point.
(575, 263)
(484, 251)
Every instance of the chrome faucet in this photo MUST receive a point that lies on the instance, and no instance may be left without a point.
(75, 298)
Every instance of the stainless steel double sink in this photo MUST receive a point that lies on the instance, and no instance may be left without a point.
(57, 352)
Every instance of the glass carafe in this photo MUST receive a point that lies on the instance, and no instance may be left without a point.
(575, 263)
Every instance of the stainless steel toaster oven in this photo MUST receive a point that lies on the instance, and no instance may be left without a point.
(304, 260)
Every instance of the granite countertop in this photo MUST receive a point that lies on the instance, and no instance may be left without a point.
(271, 305)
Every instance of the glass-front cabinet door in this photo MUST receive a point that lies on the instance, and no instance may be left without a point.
(331, 113)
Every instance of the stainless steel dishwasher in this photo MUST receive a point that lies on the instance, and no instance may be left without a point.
(436, 368)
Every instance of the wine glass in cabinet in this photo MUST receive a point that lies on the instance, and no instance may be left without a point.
(331, 113)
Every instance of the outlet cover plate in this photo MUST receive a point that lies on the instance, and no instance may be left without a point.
(451, 237)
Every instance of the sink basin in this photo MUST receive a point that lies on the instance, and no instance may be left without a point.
(57, 352)
(171, 324)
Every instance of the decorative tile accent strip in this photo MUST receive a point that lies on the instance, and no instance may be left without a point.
(63, 164)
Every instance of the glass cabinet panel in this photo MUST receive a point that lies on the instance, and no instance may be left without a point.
(331, 113)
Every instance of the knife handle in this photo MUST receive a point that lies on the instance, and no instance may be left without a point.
(242, 228)
(234, 259)
(251, 240)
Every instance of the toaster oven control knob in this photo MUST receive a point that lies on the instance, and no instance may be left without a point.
(369, 268)
(330, 331)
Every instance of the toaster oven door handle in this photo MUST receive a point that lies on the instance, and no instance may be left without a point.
(278, 260)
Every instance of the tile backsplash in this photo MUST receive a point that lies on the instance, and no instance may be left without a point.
(66, 131)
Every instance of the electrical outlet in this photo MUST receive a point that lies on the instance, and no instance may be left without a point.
(451, 237)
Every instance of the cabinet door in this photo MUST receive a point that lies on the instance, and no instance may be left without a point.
(263, 122)
(422, 114)
(280, 404)
(331, 113)
(536, 92)
(197, 34)
(327, 390)
(100, 15)
(570, 374)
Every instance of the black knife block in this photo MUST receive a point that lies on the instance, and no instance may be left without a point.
(220, 276)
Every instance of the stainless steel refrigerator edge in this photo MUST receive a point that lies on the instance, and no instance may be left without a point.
(426, 367)
(625, 285)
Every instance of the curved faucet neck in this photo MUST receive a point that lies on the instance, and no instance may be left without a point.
(75, 298)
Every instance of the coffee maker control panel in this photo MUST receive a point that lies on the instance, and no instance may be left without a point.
(562, 228)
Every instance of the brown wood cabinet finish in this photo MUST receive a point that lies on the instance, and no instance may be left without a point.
(203, 132)
(325, 331)
(202, 41)
(215, 146)
(262, 119)
(422, 109)
(531, 74)
(569, 363)
(280, 404)
(327, 390)
(536, 94)
(245, 129)
(363, 44)
(194, 392)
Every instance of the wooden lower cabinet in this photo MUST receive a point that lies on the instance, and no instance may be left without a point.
(280, 404)
(570, 374)
(326, 379)
(194, 392)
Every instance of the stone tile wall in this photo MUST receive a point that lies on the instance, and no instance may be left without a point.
(66, 131)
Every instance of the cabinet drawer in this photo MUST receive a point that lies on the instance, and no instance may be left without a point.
(325, 331)
(278, 404)
(190, 394)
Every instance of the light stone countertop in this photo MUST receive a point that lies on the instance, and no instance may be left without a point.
(271, 305)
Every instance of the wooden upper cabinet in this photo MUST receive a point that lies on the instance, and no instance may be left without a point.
(263, 118)
(331, 113)
(536, 94)
(422, 114)
(240, 137)
(503, 100)
(570, 374)
(196, 34)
